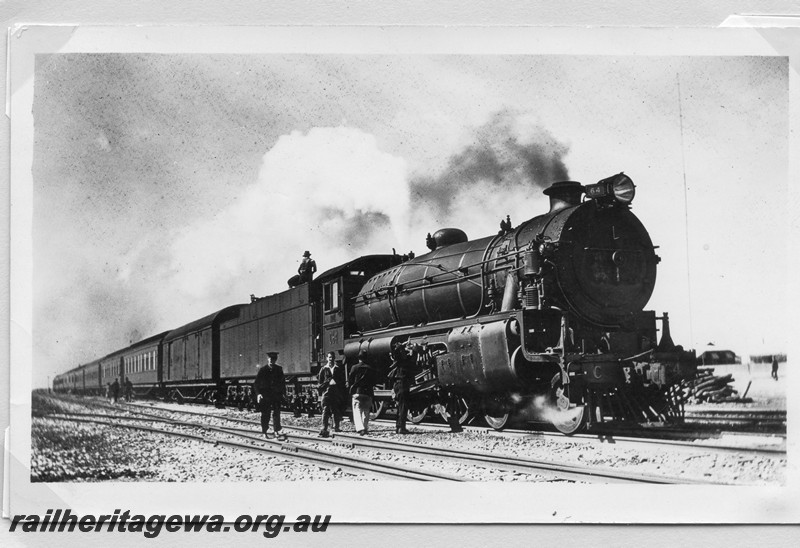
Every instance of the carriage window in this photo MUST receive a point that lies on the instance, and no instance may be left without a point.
(331, 297)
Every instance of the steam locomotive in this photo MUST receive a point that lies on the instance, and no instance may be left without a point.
(544, 321)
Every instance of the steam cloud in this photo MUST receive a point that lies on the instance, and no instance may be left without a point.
(330, 191)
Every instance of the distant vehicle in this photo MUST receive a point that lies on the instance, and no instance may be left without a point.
(718, 357)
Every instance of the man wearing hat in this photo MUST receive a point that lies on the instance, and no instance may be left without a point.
(270, 388)
(307, 268)
(305, 272)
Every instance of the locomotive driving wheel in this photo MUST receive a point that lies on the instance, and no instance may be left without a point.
(461, 410)
(377, 409)
(567, 417)
(378, 406)
(417, 412)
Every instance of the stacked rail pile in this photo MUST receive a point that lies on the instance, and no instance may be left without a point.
(710, 388)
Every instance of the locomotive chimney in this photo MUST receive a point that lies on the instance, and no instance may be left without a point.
(564, 194)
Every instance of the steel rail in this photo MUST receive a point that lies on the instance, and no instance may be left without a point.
(612, 439)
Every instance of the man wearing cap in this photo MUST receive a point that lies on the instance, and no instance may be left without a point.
(362, 382)
(270, 388)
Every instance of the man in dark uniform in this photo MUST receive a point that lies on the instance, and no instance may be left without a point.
(270, 388)
(400, 374)
(331, 381)
(128, 389)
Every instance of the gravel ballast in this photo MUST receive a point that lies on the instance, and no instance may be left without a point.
(83, 452)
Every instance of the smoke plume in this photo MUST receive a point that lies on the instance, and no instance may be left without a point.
(501, 171)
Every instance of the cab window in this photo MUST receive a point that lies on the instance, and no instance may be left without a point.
(331, 296)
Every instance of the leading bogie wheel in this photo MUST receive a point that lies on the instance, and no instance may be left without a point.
(567, 417)
(570, 421)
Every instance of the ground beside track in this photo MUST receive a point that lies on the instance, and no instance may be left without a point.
(69, 452)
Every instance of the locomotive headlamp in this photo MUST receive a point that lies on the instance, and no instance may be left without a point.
(619, 188)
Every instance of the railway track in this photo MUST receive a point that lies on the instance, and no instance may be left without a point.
(273, 448)
(304, 445)
(757, 443)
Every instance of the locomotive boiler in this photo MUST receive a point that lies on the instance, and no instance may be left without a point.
(546, 318)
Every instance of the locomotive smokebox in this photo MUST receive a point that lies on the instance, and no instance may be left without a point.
(564, 194)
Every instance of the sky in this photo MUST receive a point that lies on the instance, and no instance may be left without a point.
(170, 186)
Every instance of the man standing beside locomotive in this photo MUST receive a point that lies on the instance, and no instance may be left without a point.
(362, 382)
(270, 388)
(331, 383)
(401, 372)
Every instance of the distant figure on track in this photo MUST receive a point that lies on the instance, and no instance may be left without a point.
(115, 391)
(128, 390)
(362, 382)
(775, 368)
(270, 388)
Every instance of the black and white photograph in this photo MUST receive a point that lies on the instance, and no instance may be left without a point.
(546, 266)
